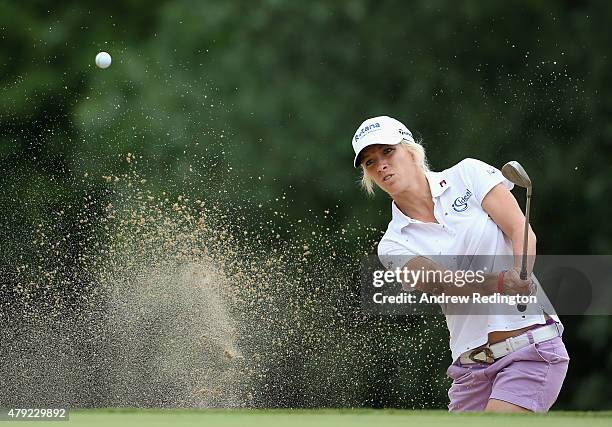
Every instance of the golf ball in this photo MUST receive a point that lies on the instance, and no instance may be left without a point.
(103, 60)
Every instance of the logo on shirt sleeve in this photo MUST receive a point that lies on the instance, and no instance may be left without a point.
(461, 203)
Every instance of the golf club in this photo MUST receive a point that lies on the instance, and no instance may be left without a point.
(514, 172)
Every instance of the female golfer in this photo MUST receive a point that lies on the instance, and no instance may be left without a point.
(504, 359)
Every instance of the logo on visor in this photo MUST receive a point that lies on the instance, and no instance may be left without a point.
(405, 133)
(461, 203)
(366, 130)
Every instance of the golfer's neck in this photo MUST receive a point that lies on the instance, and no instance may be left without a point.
(416, 202)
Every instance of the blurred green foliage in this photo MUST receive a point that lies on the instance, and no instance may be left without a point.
(255, 102)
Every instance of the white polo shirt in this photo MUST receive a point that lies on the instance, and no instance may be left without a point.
(463, 228)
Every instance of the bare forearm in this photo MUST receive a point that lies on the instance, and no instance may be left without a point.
(504, 210)
(438, 280)
(488, 286)
(517, 237)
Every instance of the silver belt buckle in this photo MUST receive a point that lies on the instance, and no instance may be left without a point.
(482, 355)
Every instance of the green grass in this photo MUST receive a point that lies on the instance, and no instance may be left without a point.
(325, 417)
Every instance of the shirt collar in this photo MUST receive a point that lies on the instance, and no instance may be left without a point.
(398, 219)
(437, 185)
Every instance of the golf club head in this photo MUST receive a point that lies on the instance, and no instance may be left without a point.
(514, 172)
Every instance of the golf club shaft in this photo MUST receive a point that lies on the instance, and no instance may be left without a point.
(523, 274)
(526, 237)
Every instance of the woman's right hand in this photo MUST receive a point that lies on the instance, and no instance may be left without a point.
(514, 285)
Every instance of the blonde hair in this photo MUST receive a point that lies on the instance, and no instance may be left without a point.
(367, 183)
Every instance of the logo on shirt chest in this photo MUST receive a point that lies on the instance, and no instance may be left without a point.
(461, 203)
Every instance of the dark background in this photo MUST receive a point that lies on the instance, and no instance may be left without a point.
(253, 104)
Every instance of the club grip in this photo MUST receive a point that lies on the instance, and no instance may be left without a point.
(523, 276)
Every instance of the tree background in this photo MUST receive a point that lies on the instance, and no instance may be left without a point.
(252, 105)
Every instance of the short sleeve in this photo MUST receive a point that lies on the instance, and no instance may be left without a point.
(393, 255)
(483, 177)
